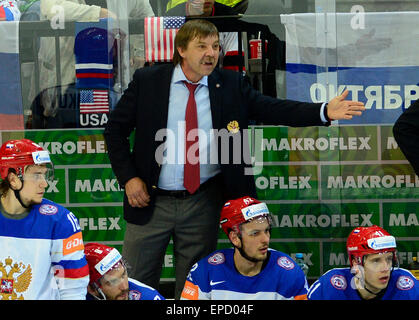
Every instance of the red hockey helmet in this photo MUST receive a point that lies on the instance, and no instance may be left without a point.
(101, 259)
(17, 154)
(369, 240)
(238, 211)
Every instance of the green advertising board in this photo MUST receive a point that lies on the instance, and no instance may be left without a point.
(322, 182)
(319, 183)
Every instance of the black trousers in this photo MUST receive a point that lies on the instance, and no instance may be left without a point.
(192, 223)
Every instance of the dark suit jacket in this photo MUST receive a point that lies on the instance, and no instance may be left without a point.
(144, 107)
(406, 133)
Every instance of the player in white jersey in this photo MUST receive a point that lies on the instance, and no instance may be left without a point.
(9, 10)
(109, 277)
(250, 270)
(374, 272)
(41, 245)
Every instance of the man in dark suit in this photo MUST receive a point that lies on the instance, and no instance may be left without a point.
(406, 133)
(159, 202)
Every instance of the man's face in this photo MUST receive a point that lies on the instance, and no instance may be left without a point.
(115, 283)
(255, 238)
(377, 268)
(200, 57)
(200, 7)
(208, 5)
(35, 182)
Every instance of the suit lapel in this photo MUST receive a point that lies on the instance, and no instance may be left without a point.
(161, 104)
(215, 87)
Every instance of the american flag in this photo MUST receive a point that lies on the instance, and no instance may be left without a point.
(159, 36)
(94, 101)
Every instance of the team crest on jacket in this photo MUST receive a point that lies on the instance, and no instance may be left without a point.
(405, 283)
(217, 258)
(233, 126)
(338, 282)
(48, 209)
(15, 278)
(285, 263)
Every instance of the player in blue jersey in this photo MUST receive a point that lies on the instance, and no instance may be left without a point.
(374, 272)
(41, 244)
(109, 277)
(250, 270)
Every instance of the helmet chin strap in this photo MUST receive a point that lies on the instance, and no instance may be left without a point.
(99, 290)
(246, 256)
(378, 294)
(243, 253)
(101, 293)
(17, 195)
(368, 290)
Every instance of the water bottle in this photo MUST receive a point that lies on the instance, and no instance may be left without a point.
(300, 261)
(414, 267)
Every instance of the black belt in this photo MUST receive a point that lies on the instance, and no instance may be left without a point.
(186, 193)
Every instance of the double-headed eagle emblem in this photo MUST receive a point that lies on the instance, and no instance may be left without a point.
(233, 126)
(14, 278)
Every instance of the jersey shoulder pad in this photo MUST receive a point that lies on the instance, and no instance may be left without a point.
(141, 291)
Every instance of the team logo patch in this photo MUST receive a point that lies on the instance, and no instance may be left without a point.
(285, 263)
(134, 295)
(405, 283)
(338, 282)
(217, 258)
(48, 209)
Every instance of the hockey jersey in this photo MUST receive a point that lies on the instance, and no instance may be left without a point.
(141, 291)
(42, 255)
(138, 291)
(337, 284)
(216, 278)
(9, 10)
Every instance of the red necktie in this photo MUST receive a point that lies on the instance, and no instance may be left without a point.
(191, 176)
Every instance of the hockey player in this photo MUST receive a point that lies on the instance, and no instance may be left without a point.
(41, 245)
(250, 270)
(9, 10)
(109, 277)
(374, 272)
